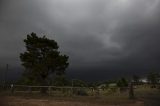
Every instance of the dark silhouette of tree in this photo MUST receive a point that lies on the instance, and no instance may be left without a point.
(78, 83)
(61, 80)
(122, 82)
(131, 91)
(153, 78)
(42, 59)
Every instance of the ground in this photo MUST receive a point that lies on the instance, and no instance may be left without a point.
(144, 96)
(21, 101)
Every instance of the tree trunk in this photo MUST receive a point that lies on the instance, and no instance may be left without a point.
(131, 91)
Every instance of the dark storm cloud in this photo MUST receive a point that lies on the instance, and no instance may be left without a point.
(103, 36)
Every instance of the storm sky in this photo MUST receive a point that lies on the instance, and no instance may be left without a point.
(103, 38)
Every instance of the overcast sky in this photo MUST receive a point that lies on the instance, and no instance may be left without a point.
(103, 38)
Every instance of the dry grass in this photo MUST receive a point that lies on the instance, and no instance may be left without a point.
(19, 101)
(142, 95)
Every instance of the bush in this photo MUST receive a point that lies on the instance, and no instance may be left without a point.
(122, 82)
(81, 92)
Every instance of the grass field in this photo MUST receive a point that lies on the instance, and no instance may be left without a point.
(144, 96)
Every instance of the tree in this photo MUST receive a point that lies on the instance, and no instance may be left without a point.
(79, 83)
(153, 78)
(122, 82)
(131, 91)
(61, 80)
(42, 59)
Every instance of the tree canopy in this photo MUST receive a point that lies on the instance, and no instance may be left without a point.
(41, 59)
(122, 82)
(153, 77)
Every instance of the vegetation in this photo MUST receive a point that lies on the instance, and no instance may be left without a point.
(79, 83)
(45, 65)
(61, 80)
(122, 82)
(153, 78)
(144, 96)
(42, 59)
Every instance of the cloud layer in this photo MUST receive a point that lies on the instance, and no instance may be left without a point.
(101, 37)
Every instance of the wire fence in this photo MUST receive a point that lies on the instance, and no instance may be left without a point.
(62, 90)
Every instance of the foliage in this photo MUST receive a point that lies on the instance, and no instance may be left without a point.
(153, 77)
(61, 80)
(41, 59)
(122, 82)
(79, 83)
(80, 92)
(95, 84)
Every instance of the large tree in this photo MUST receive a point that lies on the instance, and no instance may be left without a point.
(42, 59)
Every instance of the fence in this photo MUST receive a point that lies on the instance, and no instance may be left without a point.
(51, 90)
(62, 91)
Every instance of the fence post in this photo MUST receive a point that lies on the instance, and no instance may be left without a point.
(12, 88)
(49, 89)
(71, 91)
(131, 91)
(97, 93)
(29, 89)
(92, 89)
